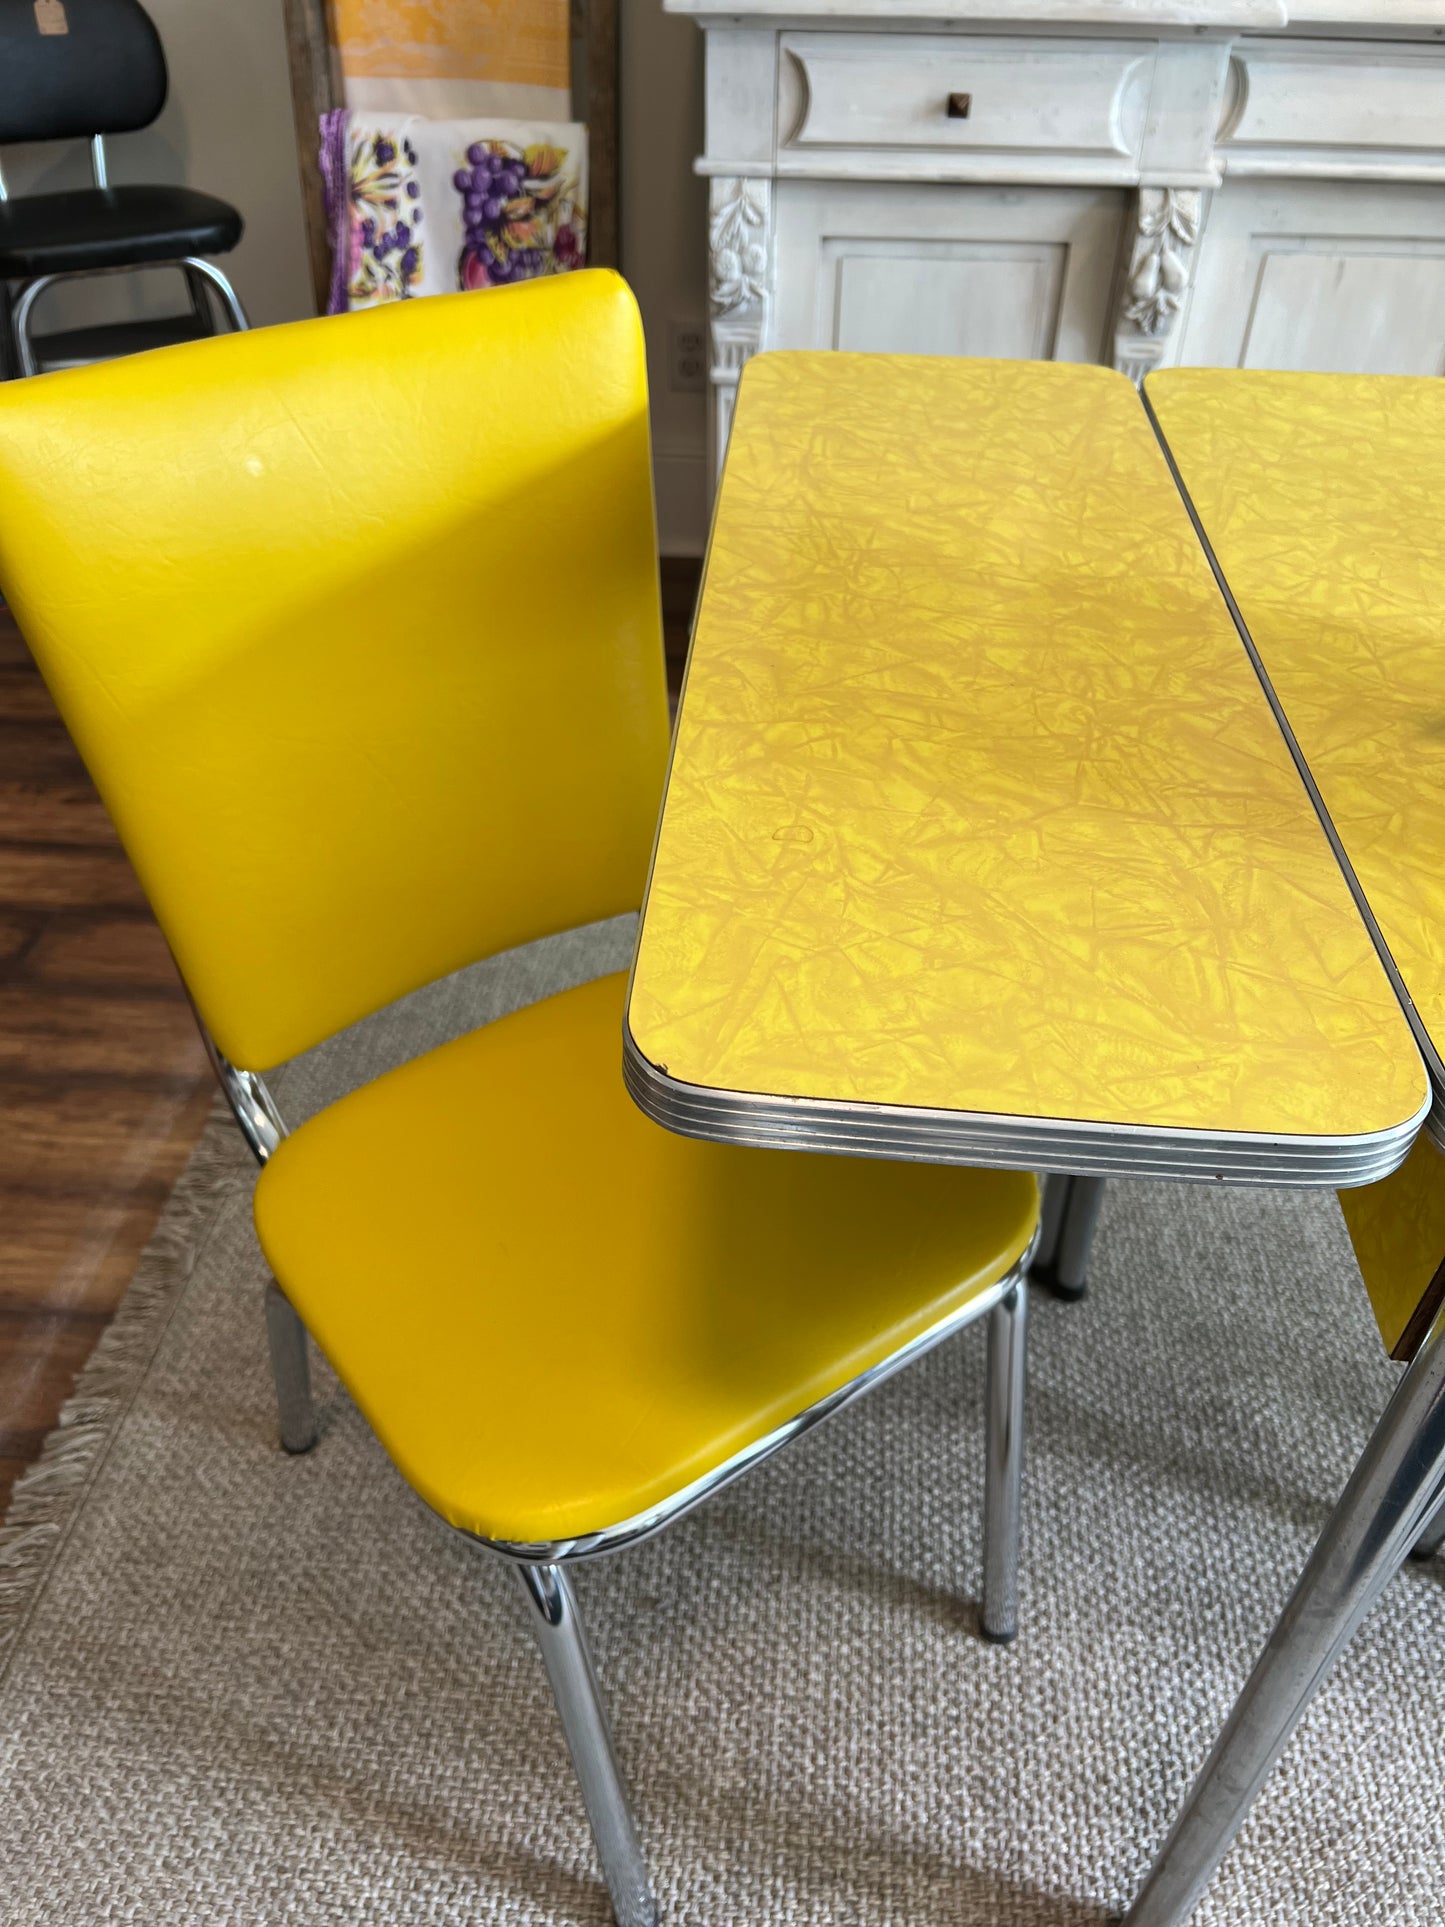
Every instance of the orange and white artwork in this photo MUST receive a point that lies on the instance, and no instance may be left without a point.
(452, 58)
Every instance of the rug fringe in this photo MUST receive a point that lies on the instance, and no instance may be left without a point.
(47, 1495)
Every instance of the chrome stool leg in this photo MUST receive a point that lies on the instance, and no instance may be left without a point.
(291, 1369)
(9, 358)
(199, 274)
(558, 1628)
(1430, 1540)
(1003, 1489)
(196, 287)
(1390, 1493)
(193, 266)
(20, 322)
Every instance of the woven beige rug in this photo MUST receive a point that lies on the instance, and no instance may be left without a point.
(238, 1688)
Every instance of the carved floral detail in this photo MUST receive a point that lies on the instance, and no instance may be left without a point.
(1167, 227)
(739, 244)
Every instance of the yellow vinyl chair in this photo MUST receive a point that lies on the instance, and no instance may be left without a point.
(356, 625)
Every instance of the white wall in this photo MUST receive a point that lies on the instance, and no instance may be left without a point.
(226, 128)
(664, 245)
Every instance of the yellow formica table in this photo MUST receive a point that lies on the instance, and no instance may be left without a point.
(1319, 499)
(980, 842)
(984, 839)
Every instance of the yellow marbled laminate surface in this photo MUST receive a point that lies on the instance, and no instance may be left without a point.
(976, 803)
(1322, 497)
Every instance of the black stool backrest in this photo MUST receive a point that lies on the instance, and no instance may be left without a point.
(73, 68)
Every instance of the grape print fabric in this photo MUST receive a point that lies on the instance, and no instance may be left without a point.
(376, 217)
(522, 212)
(430, 207)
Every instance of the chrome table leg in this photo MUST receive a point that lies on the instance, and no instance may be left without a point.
(1388, 1497)
(291, 1369)
(1076, 1237)
(1055, 1189)
(1003, 1488)
(1070, 1218)
(558, 1628)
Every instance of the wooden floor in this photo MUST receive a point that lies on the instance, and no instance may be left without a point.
(104, 1086)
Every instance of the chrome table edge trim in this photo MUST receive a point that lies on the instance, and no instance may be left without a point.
(998, 1142)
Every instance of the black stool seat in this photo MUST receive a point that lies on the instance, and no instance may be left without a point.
(111, 227)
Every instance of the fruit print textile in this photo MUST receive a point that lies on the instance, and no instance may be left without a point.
(417, 207)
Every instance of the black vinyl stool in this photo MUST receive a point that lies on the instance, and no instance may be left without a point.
(82, 69)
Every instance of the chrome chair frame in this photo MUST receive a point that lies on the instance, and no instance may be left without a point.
(198, 274)
(1433, 1535)
(1395, 1489)
(541, 1567)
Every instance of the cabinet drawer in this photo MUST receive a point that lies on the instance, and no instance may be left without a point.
(1334, 107)
(945, 104)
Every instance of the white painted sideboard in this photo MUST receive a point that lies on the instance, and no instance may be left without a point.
(1119, 180)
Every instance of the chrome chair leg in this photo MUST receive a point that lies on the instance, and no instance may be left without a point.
(291, 1369)
(1390, 1494)
(1430, 1540)
(558, 1628)
(1003, 1487)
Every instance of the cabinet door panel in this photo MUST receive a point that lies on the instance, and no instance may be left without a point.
(910, 269)
(1339, 278)
(946, 298)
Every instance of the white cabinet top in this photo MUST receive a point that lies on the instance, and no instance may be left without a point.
(1148, 15)
(1369, 13)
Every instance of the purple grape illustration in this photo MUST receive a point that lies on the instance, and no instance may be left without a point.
(385, 221)
(518, 215)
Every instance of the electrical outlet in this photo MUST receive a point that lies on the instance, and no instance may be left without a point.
(687, 358)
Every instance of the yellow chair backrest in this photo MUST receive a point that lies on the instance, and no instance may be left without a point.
(356, 624)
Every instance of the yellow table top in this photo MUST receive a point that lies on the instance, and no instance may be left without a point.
(980, 839)
(1322, 497)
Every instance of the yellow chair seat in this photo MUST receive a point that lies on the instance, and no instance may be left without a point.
(555, 1314)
